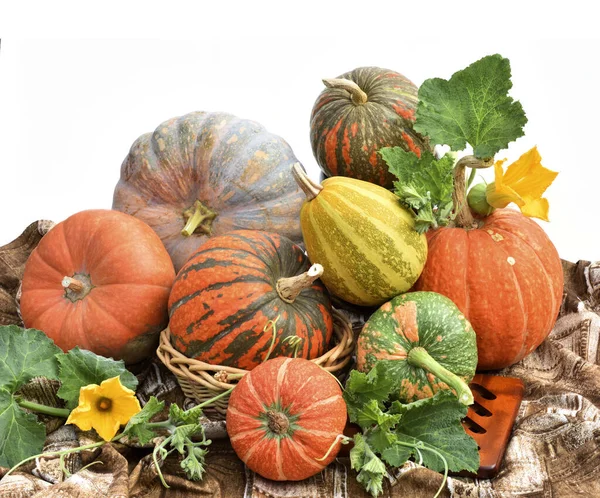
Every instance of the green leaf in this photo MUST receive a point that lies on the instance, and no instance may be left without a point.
(193, 463)
(25, 354)
(371, 414)
(472, 107)
(397, 455)
(135, 428)
(362, 388)
(425, 185)
(79, 368)
(435, 423)
(370, 468)
(21, 435)
(183, 434)
(183, 417)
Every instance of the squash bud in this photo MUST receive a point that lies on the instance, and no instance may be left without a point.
(477, 200)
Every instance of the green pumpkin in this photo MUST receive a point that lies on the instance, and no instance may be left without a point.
(430, 343)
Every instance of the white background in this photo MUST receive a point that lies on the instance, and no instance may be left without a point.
(78, 86)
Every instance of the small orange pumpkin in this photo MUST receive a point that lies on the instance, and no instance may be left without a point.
(284, 416)
(99, 280)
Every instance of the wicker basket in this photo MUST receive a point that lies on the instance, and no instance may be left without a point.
(202, 381)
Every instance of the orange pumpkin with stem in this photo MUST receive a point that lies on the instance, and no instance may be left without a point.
(285, 418)
(99, 280)
(503, 273)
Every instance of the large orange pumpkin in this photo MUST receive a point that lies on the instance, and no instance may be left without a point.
(505, 277)
(99, 280)
(284, 416)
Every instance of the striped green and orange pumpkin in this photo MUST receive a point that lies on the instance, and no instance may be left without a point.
(362, 236)
(428, 342)
(243, 295)
(358, 113)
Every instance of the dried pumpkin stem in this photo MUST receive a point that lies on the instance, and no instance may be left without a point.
(464, 217)
(289, 288)
(419, 357)
(72, 284)
(278, 423)
(358, 96)
(199, 218)
(310, 188)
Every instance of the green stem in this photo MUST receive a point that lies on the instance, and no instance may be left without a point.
(198, 216)
(419, 357)
(46, 410)
(212, 400)
(471, 177)
(422, 446)
(56, 453)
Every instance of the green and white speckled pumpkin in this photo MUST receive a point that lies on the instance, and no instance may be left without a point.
(429, 341)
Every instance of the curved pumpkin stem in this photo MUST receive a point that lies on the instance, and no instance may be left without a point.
(289, 288)
(419, 357)
(310, 188)
(464, 217)
(357, 95)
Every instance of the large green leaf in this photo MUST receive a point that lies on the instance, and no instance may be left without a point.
(472, 107)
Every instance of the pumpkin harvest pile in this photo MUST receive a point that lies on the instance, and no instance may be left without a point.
(220, 243)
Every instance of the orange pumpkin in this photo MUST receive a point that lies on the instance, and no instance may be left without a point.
(284, 416)
(505, 277)
(99, 280)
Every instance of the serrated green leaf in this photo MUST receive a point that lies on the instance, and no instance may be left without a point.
(193, 463)
(79, 368)
(136, 427)
(371, 414)
(21, 435)
(425, 185)
(183, 417)
(436, 423)
(472, 107)
(380, 439)
(184, 433)
(25, 354)
(370, 468)
(370, 386)
(397, 455)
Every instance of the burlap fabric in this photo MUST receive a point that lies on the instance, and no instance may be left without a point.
(554, 450)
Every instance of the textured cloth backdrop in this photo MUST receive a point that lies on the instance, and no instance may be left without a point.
(554, 450)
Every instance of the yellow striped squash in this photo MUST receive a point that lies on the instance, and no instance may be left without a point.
(362, 236)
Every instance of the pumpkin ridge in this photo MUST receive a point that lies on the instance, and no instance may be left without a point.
(215, 286)
(299, 450)
(329, 258)
(321, 403)
(208, 262)
(243, 434)
(281, 371)
(546, 276)
(45, 260)
(253, 391)
(279, 461)
(378, 276)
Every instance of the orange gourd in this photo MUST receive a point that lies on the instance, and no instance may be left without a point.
(99, 280)
(284, 416)
(503, 273)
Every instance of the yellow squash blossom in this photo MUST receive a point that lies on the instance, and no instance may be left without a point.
(104, 407)
(523, 183)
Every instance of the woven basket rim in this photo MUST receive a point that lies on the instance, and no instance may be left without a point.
(190, 372)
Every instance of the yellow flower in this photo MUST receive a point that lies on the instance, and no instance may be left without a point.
(104, 407)
(523, 183)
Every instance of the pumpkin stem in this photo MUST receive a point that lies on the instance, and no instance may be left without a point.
(288, 288)
(77, 287)
(198, 218)
(419, 357)
(464, 217)
(310, 188)
(277, 422)
(358, 96)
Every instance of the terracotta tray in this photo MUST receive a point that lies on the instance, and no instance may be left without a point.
(491, 418)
